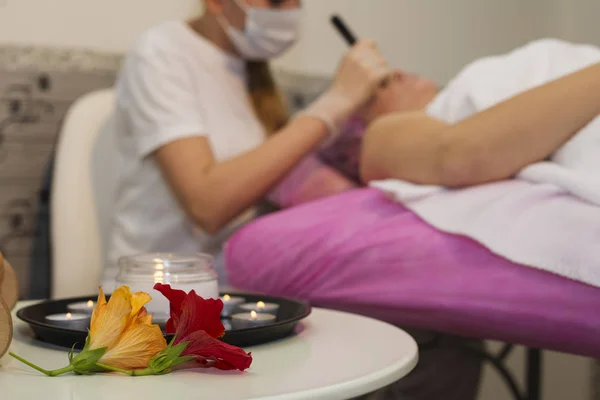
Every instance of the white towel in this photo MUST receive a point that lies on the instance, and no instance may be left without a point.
(549, 216)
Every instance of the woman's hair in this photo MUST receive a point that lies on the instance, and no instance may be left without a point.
(267, 100)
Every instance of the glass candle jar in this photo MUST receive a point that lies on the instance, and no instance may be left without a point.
(181, 271)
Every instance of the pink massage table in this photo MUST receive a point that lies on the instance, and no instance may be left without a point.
(363, 253)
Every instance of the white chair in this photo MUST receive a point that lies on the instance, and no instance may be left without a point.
(83, 187)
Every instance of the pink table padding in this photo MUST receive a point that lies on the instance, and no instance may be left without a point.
(363, 253)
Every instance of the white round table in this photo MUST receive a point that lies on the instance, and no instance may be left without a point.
(334, 355)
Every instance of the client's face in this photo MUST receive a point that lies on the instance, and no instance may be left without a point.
(404, 92)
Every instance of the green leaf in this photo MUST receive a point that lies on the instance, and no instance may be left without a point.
(175, 351)
(71, 354)
(85, 362)
(164, 361)
(87, 342)
(159, 363)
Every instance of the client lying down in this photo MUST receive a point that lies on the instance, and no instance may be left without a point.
(508, 155)
(362, 253)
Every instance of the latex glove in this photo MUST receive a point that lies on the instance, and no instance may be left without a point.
(360, 74)
(358, 77)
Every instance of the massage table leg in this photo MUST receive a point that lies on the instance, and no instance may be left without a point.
(534, 374)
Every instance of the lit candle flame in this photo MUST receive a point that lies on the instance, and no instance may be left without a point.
(227, 297)
(68, 316)
(90, 304)
(159, 276)
(260, 304)
(253, 315)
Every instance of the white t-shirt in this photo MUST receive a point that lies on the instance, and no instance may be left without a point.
(174, 84)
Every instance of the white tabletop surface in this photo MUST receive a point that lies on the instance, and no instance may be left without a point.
(334, 355)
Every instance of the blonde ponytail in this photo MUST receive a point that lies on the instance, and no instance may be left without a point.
(267, 100)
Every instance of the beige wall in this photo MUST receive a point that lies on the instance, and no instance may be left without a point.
(438, 37)
(578, 20)
(100, 24)
(435, 38)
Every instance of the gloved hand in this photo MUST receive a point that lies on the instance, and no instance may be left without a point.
(360, 74)
(358, 77)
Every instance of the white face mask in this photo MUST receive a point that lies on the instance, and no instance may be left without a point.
(268, 34)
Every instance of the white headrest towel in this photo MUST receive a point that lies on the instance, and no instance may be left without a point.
(549, 216)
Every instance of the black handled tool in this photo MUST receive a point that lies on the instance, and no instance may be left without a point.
(349, 36)
(343, 29)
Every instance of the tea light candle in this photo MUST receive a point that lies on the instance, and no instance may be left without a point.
(251, 319)
(69, 320)
(83, 307)
(261, 307)
(230, 304)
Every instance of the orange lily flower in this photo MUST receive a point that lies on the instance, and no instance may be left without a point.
(125, 329)
(122, 337)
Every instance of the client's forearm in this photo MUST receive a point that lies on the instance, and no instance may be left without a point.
(492, 145)
(527, 128)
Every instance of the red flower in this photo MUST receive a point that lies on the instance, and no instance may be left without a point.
(198, 321)
(200, 314)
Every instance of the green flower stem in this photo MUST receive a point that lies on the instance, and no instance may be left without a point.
(61, 371)
(143, 372)
(115, 369)
(55, 372)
